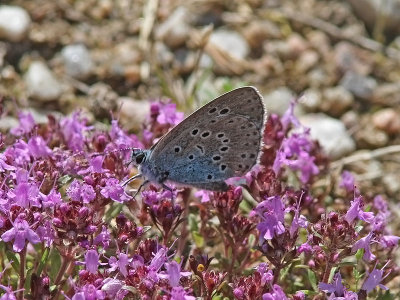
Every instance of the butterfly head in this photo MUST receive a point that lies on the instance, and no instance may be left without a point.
(138, 156)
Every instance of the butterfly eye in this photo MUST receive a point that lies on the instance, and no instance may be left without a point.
(140, 158)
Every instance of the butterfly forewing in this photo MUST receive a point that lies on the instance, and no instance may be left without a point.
(220, 140)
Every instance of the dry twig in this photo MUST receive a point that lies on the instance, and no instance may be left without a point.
(337, 33)
(366, 155)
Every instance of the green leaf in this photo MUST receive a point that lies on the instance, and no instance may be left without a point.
(359, 254)
(131, 289)
(198, 239)
(193, 223)
(386, 296)
(309, 292)
(347, 263)
(114, 211)
(55, 263)
(28, 277)
(332, 273)
(63, 180)
(302, 267)
(285, 271)
(43, 261)
(15, 261)
(313, 279)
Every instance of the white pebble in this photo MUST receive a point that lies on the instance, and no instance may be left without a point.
(330, 133)
(77, 61)
(14, 23)
(41, 83)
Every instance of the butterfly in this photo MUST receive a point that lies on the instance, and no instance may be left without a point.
(218, 141)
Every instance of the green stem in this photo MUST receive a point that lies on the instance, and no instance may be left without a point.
(67, 259)
(327, 272)
(64, 266)
(22, 256)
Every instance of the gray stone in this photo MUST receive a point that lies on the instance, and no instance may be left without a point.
(307, 60)
(7, 123)
(174, 31)
(278, 101)
(317, 77)
(77, 60)
(387, 120)
(336, 100)
(371, 11)
(311, 100)
(133, 113)
(14, 23)
(230, 41)
(392, 183)
(330, 133)
(359, 85)
(41, 83)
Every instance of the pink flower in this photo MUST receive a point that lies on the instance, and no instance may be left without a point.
(365, 243)
(355, 211)
(373, 280)
(20, 233)
(276, 294)
(114, 191)
(347, 181)
(179, 293)
(73, 129)
(121, 264)
(271, 212)
(80, 191)
(173, 273)
(92, 261)
(204, 195)
(167, 113)
(38, 147)
(26, 124)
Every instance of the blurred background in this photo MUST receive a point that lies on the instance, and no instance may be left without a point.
(111, 58)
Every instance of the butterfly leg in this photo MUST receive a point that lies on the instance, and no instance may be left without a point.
(140, 187)
(166, 187)
(131, 179)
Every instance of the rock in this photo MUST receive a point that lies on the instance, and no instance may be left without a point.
(368, 136)
(14, 23)
(260, 30)
(350, 58)
(77, 60)
(297, 44)
(351, 119)
(336, 100)
(277, 48)
(391, 183)
(126, 62)
(278, 101)
(317, 77)
(307, 60)
(360, 86)
(41, 83)
(330, 133)
(133, 113)
(7, 123)
(174, 31)
(319, 41)
(387, 120)
(230, 41)
(387, 94)
(164, 55)
(373, 11)
(311, 100)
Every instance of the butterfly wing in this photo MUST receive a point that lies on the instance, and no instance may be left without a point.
(218, 141)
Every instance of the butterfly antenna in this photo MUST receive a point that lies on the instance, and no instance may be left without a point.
(113, 151)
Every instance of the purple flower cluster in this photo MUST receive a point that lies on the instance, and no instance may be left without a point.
(69, 229)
